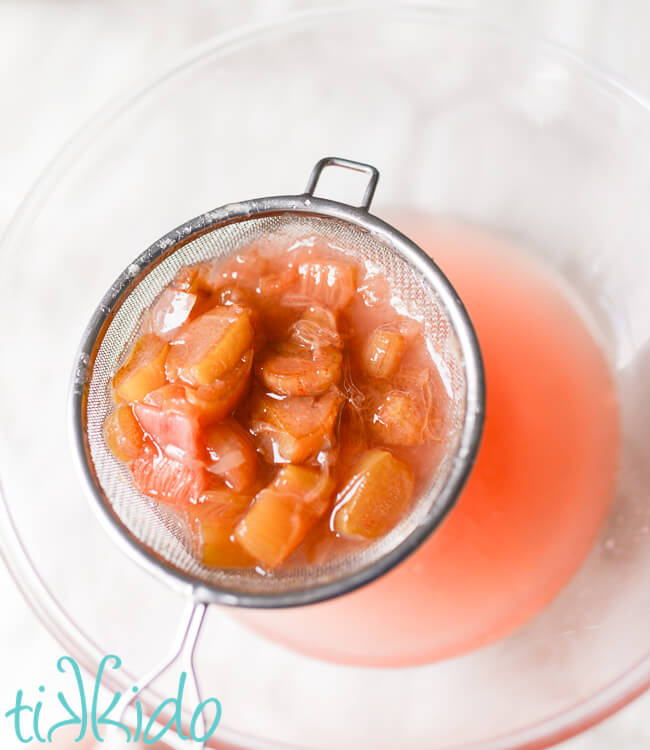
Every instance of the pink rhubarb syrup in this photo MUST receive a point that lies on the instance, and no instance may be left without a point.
(536, 498)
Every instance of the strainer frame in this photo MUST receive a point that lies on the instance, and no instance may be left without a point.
(305, 204)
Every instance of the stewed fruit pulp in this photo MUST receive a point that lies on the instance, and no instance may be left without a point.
(280, 401)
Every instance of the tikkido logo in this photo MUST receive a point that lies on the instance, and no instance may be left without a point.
(31, 723)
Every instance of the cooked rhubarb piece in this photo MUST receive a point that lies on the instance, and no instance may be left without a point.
(316, 329)
(327, 282)
(123, 434)
(143, 371)
(212, 523)
(168, 418)
(283, 513)
(218, 400)
(375, 497)
(294, 429)
(232, 455)
(400, 419)
(274, 284)
(233, 294)
(171, 310)
(238, 502)
(247, 267)
(210, 345)
(383, 352)
(293, 370)
(309, 362)
(167, 480)
(186, 280)
(353, 441)
(201, 279)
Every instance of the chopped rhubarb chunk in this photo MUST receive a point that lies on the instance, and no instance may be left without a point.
(237, 502)
(309, 361)
(218, 400)
(171, 310)
(292, 370)
(212, 523)
(353, 440)
(202, 279)
(383, 352)
(400, 419)
(316, 329)
(246, 268)
(232, 455)
(294, 429)
(186, 280)
(232, 294)
(283, 513)
(375, 497)
(143, 371)
(327, 282)
(168, 418)
(273, 284)
(123, 434)
(210, 345)
(167, 480)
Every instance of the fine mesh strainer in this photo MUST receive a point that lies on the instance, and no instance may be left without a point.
(155, 536)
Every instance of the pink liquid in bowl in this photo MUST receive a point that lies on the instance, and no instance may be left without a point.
(537, 496)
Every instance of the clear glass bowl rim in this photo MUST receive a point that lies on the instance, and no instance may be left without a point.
(632, 682)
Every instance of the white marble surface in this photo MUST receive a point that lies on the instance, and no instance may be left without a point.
(62, 59)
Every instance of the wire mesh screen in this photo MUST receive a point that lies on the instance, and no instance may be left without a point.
(162, 530)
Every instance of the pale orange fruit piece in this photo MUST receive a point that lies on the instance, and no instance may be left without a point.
(168, 418)
(202, 278)
(167, 480)
(327, 282)
(316, 329)
(376, 496)
(171, 311)
(400, 419)
(143, 371)
(293, 370)
(276, 283)
(283, 513)
(353, 441)
(218, 400)
(212, 523)
(232, 455)
(294, 429)
(247, 266)
(382, 353)
(210, 345)
(123, 434)
(234, 294)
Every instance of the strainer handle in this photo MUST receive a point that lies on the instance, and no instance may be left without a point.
(355, 166)
(183, 653)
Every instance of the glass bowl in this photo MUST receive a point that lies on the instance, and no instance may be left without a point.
(466, 122)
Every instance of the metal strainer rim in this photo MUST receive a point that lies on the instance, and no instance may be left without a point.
(470, 434)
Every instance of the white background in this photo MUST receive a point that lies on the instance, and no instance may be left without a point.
(60, 60)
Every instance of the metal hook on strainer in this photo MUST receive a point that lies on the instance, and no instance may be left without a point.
(152, 535)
